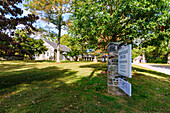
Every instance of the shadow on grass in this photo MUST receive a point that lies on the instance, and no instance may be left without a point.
(4, 67)
(88, 94)
(33, 75)
(96, 66)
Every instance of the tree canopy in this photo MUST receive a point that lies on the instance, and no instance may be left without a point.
(116, 20)
(8, 24)
(29, 45)
(74, 44)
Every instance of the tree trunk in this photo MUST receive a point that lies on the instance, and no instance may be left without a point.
(104, 59)
(82, 53)
(144, 57)
(76, 58)
(58, 53)
(59, 36)
(66, 57)
(168, 60)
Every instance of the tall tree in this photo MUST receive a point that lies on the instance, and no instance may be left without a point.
(8, 25)
(53, 11)
(117, 20)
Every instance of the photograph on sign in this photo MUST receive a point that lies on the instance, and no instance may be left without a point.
(124, 61)
(125, 86)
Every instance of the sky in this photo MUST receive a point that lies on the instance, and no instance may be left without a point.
(40, 23)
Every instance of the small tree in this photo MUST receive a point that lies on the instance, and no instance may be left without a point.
(29, 45)
(73, 44)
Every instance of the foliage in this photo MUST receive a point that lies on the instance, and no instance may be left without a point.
(116, 20)
(152, 54)
(51, 11)
(73, 44)
(136, 52)
(8, 25)
(30, 45)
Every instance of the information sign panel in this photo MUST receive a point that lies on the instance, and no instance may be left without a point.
(125, 86)
(124, 61)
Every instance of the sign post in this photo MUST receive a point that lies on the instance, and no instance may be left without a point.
(124, 61)
(112, 72)
(119, 67)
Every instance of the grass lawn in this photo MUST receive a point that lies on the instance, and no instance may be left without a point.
(77, 87)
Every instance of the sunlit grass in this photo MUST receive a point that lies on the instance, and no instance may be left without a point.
(77, 87)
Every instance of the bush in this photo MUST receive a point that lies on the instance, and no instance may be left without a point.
(51, 58)
(80, 59)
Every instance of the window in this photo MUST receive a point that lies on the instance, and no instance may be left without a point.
(47, 53)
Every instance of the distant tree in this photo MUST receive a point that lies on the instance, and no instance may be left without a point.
(73, 44)
(53, 12)
(30, 45)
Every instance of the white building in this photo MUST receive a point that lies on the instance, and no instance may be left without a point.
(51, 53)
(137, 59)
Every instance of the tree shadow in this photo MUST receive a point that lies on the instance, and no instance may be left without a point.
(85, 95)
(4, 67)
(33, 75)
(88, 94)
(96, 66)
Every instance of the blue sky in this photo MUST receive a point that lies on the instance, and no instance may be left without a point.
(40, 23)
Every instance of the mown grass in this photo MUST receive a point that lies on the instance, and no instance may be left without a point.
(77, 87)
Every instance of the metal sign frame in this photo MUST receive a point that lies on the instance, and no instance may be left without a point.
(124, 61)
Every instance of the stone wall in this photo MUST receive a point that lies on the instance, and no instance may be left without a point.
(112, 72)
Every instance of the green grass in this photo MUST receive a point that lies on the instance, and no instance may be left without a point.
(77, 87)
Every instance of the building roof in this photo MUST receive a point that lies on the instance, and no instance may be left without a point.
(54, 45)
(138, 57)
